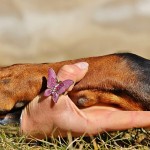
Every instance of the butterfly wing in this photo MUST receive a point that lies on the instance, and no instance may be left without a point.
(55, 97)
(52, 80)
(63, 86)
(47, 92)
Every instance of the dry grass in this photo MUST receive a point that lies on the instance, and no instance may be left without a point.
(129, 139)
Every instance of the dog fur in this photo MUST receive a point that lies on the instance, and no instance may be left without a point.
(121, 80)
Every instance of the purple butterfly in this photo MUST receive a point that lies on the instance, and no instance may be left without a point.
(55, 87)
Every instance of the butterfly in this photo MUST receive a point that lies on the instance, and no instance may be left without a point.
(54, 87)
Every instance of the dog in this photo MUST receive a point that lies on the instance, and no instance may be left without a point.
(121, 80)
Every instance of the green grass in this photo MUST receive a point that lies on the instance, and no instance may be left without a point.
(10, 139)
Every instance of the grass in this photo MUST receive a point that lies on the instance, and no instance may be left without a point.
(128, 140)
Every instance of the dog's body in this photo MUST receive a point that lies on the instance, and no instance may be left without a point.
(121, 80)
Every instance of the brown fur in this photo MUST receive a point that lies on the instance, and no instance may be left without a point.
(109, 81)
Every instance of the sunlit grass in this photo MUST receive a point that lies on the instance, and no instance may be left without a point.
(130, 139)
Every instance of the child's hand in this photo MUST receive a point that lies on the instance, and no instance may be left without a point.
(42, 117)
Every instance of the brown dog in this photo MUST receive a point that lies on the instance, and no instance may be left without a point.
(121, 80)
